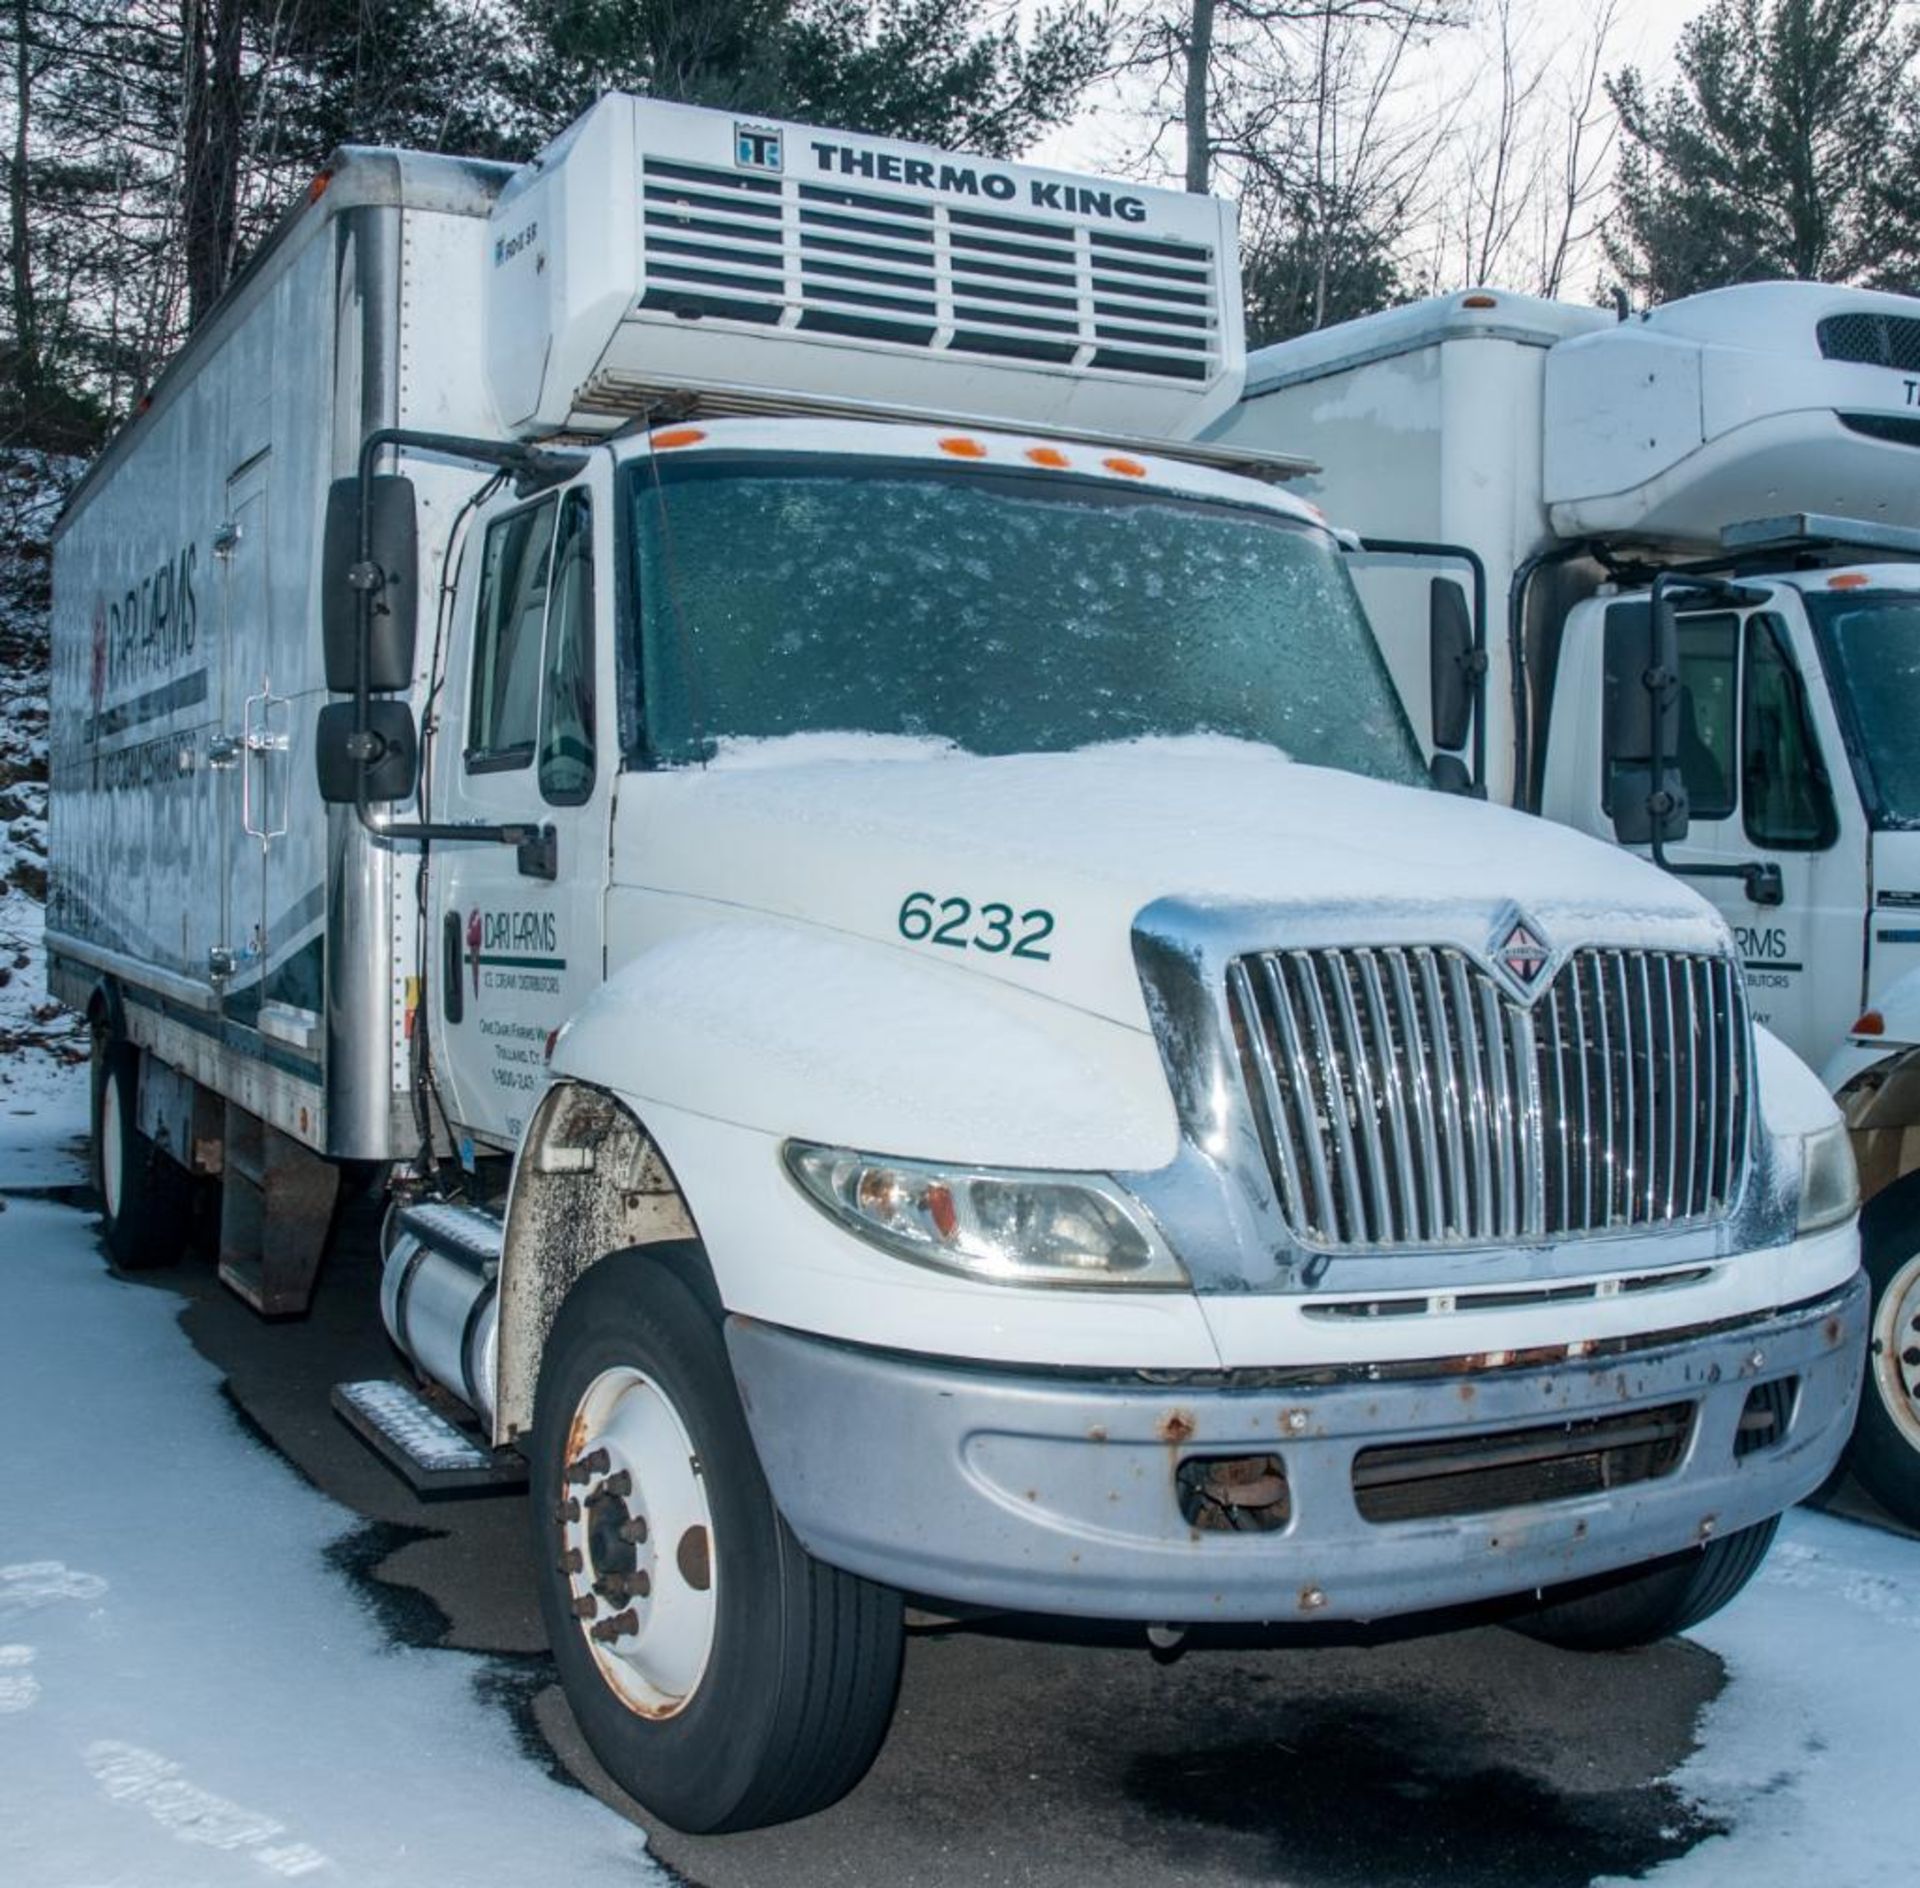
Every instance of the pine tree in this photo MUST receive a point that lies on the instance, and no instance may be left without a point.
(1788, 146)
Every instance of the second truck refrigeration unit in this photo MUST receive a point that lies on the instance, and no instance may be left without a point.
(1758, 446)
(892, 948)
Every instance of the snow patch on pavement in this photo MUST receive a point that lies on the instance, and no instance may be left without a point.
(190, 1696)
(1807, 1755)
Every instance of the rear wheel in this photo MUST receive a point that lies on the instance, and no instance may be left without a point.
(1645, 1604)
(724, 1677)
(1885, 1451)
(146, 1199)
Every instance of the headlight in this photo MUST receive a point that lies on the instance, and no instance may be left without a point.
(1005, 1227)
(1829, 1182)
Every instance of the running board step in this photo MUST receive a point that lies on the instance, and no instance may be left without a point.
(430, 1454)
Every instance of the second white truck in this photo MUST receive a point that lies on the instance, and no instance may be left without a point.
(893, 952)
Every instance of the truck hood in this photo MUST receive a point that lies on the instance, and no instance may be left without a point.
(1032, 869)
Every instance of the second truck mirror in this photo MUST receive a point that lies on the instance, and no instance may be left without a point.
(394, 762)
(393, 550)
(1450, 666)
(1640, 720)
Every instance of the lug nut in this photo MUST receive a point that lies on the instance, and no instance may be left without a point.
(617, 1627)
(615, 1487)
(585, 1606)
(628, 1586)
(565, 1511)
(572, 1561)
(634, 1530)
(588, 1467)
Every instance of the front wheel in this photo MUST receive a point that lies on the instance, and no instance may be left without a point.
(1643, 1605)
(724, 1677)
(1885, 1450)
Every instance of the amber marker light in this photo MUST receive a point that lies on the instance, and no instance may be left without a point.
(1478, 301)
(677, 436)
(1049, 456)
(963, 448)
(1870, 1023)
(318, 187)
(1127, 468)
(1849, 580)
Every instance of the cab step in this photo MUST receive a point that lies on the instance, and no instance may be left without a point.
(430, 1453)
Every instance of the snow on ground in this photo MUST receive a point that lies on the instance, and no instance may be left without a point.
(189, 1694)
(37, 1039)
(1823, 1658)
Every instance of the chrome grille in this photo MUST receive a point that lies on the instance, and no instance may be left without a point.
(1404, 1098)
(883, 266)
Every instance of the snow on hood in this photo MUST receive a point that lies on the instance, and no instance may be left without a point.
(1091, 838)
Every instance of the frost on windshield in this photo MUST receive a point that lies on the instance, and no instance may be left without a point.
(1005, 615)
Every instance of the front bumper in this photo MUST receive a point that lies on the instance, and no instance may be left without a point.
(1059, 1494)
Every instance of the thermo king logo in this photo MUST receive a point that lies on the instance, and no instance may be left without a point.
(756, 148)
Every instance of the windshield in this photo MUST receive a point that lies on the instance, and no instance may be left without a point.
(1870, 640)
(1006, 613)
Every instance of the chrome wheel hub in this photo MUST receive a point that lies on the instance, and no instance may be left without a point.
(636, 1543)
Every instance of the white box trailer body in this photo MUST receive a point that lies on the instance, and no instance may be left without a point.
(265, 942)
(911, 1059)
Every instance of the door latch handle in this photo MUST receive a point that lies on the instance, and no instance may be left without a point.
(223, 751)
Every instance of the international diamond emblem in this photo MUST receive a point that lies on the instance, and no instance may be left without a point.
(1524, 954)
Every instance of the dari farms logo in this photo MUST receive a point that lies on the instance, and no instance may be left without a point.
(1522, 952)
(514, 941)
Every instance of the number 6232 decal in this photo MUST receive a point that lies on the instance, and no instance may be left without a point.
(961, 925)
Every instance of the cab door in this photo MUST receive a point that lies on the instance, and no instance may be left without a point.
(1786, 855)
(516, 934)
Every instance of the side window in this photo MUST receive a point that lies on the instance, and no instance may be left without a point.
(566, 693)
(1789, 805)
(1708, 694)
(506, 662)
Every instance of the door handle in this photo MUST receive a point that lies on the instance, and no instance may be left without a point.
(453, 999)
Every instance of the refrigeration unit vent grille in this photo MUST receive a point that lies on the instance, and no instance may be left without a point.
(824, 259)
(1876, 340)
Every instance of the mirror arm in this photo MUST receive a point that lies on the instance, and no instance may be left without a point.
(1477, 660)
(533, 466)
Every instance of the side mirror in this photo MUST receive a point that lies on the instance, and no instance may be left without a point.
(393, 763)
(1646, 791)
(1450, 664)
(1450, 774)
(393, 557)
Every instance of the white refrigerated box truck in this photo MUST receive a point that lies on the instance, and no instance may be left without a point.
(1755, 451)
(893, 950)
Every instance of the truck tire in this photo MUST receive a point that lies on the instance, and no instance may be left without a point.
(146, 1198)
(724, 1678)
(1885, 1450)
(1642, 1605)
